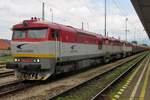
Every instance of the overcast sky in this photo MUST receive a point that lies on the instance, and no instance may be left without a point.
(74, 12)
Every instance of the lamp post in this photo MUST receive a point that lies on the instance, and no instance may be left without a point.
(105, 25)
(134, 34)
(51, 10)
(43, 11)
(88, 26)
(126, 30)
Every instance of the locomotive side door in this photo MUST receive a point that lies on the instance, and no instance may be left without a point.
(56, 36)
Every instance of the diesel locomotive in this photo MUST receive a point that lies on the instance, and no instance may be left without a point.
(42, 49)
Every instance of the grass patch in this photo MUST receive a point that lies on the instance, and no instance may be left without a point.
(6, 58)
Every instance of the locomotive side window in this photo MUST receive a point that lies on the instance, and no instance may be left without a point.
(55, 33)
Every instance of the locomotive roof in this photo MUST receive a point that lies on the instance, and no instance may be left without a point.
(70, 28)
(40, 23)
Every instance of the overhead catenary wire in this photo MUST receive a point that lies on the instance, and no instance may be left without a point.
(123, 11)
(125, 14)
(67, 19)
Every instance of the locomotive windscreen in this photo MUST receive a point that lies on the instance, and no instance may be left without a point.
(30, 33)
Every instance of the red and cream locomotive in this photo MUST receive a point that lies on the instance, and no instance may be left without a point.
(42, 49)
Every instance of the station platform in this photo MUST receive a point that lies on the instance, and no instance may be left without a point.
(137, 87)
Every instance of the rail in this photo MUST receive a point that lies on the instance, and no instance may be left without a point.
(6, 73)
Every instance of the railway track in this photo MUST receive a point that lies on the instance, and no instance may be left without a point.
(102, 94)
(6, 73)
(5, 88)
(14, 86)
(85, 90)
(20, 85)
(2, 64)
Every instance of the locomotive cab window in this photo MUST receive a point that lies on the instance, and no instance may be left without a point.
(30, 33)
(18, 34)
(55, 33)
(37, 33)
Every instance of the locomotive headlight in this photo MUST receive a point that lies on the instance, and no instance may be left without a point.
(34, 60)
(19, 60)
(38, 60)
(15, 59)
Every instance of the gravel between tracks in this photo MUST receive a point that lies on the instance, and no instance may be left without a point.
(42, 92)
(7, 79)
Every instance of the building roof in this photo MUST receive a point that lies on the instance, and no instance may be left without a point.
(4, 44)
(142, 8)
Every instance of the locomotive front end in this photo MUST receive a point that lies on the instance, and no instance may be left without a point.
(33, 53)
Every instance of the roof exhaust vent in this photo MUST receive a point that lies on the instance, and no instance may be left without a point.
(35, 18)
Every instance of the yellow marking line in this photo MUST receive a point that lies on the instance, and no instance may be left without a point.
(129, 81)
(121, 90)
(139, 80)
(142, 95)
(35, 55)
(117, 96)
(124, 87)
